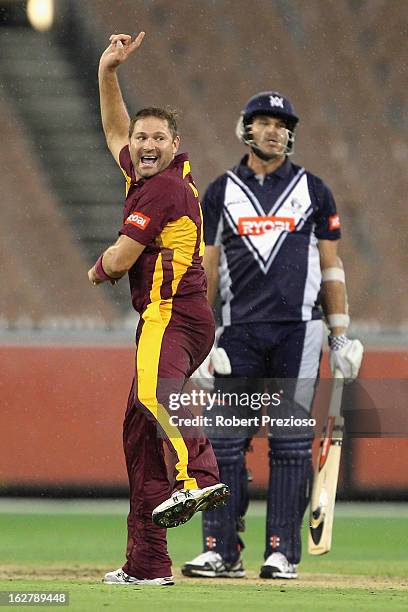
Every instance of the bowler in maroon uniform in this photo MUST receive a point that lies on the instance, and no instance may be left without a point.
(160, 245)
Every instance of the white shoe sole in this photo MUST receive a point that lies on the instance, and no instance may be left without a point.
(192, 573)
(143, 582)
(172, 514)
(265, 573)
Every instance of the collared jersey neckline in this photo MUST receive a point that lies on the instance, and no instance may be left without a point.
(282, 172)
(180, 158)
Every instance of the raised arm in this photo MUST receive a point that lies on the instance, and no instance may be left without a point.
(115, 118)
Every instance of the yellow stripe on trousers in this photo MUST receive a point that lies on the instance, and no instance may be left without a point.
(156, 318)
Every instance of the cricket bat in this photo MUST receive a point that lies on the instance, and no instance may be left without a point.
(326, 475)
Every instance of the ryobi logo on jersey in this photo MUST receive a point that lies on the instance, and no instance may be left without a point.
(256, 226)
(138, 219)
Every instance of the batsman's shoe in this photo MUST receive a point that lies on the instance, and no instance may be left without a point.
(277, 566)
(211, 565)
(182, 505)
(120, 577)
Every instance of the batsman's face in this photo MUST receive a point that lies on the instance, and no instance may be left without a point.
(152, 146)
(270, 135)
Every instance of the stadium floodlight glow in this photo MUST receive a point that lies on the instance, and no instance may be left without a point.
(40, 14)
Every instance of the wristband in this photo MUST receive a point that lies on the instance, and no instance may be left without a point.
(333, 274)
(338, 320)
(100, 272)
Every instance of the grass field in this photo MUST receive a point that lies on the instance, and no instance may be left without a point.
(69, 546)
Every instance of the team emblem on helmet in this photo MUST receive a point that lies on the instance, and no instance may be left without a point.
(276, 101)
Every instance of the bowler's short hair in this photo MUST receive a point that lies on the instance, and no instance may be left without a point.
(168, 115)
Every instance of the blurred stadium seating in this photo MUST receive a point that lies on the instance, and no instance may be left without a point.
(341, 62)
(43, 270)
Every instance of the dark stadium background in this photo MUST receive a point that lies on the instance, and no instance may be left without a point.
(65, 348)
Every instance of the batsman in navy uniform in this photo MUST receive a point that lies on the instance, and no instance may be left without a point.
(271, 230)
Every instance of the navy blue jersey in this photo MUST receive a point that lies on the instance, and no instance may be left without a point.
(268, 229)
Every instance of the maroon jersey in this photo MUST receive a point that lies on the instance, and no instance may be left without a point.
(163, 212)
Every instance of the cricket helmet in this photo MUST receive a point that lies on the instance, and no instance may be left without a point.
(267, 103)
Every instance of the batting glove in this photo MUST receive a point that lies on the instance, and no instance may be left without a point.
(218, 361)
(345, 355)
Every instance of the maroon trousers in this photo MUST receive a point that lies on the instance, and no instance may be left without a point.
(172, 341)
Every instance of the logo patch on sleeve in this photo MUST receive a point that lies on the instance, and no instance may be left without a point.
(255, 226)
(138, 219)
(334, 222)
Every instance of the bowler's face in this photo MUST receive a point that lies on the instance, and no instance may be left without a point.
(152, 146)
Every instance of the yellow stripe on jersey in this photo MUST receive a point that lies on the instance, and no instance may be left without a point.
(194, 189)
(181, 237)
(186, 168)
(156, 318)
(157, 280)
(127, 179)
(202, 244)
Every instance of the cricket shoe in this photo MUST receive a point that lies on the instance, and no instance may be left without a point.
(210, 564)
(277, 566)
(182, 505)
(120, 577)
